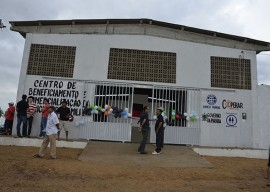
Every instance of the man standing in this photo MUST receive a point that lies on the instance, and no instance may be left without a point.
(52, 128)
(159, 128)
(44, 116)
(9, 115)
(30, 113)
(64, 113)
(144, 121)
(21, 109)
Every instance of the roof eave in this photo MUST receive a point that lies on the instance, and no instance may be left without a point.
(15, 25)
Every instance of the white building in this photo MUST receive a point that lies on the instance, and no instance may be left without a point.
(205, 80)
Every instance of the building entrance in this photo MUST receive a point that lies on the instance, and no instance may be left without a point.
(181, 112)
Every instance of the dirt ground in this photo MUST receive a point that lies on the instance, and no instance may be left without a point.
(19, 171)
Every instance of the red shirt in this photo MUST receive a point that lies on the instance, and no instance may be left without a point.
(45, 111)
(10, 113)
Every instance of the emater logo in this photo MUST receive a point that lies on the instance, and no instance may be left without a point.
(211, 99)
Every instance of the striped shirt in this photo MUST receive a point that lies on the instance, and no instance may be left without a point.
(31, 109)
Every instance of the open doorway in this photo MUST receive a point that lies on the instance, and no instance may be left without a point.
(173, 100)
(140, 99)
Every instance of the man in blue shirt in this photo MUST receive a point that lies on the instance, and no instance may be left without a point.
(159, 129)
(144, 121)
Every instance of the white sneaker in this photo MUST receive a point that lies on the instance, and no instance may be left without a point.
(155, 153)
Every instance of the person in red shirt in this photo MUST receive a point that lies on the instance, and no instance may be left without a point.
(9, 115)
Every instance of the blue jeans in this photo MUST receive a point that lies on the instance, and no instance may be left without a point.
(43, 124)
(21, 119)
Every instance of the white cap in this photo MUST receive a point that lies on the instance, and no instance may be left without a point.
(11, 103)
(160, 108)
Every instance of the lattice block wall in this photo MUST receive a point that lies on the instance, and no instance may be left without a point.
(142, 65)
(51, 60)
(230, 73)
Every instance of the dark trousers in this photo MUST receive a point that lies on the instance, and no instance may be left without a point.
(29, 124)
(162, 136)
(20, 120)
(8, 126)
(159, 139)
(145, 133)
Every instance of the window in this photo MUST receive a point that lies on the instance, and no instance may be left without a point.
(232, 73)
(51, 60)
(142, 65)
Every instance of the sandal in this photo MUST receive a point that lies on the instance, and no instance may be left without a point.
(37, 156)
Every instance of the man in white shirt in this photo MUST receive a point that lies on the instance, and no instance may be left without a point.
(52, 128)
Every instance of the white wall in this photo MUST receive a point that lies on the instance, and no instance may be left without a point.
(227, 134)
(33, 83)
(261, 138)
(193, 70)
(92, 55)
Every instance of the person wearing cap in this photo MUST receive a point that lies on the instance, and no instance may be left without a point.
(30, 114)
(21, 109)
(9, 115)
(52, 128)
(44, 117)
(64, 113)
(144, 124)
(159, 129)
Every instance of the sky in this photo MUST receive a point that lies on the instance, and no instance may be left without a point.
(247, 18)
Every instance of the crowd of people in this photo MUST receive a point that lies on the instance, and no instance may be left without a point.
(26, 109)
(52, 122)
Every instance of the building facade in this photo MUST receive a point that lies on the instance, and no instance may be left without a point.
(108, 69)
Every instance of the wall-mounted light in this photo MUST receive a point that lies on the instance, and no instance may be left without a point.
(244, 116)
(242, 56)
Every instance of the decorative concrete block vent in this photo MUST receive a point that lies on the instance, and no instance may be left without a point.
(51, 60)
(142, 65)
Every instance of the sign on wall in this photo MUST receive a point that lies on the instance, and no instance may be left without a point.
(56, 91)
(221, 109)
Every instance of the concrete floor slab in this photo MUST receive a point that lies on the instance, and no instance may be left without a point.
(36, 142)
(126, 154)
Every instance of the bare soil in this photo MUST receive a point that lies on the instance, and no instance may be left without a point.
(19, 171)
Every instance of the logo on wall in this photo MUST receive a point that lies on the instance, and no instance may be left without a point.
(211, 117)
(231, 120)
(231, 104)
(211, 101)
